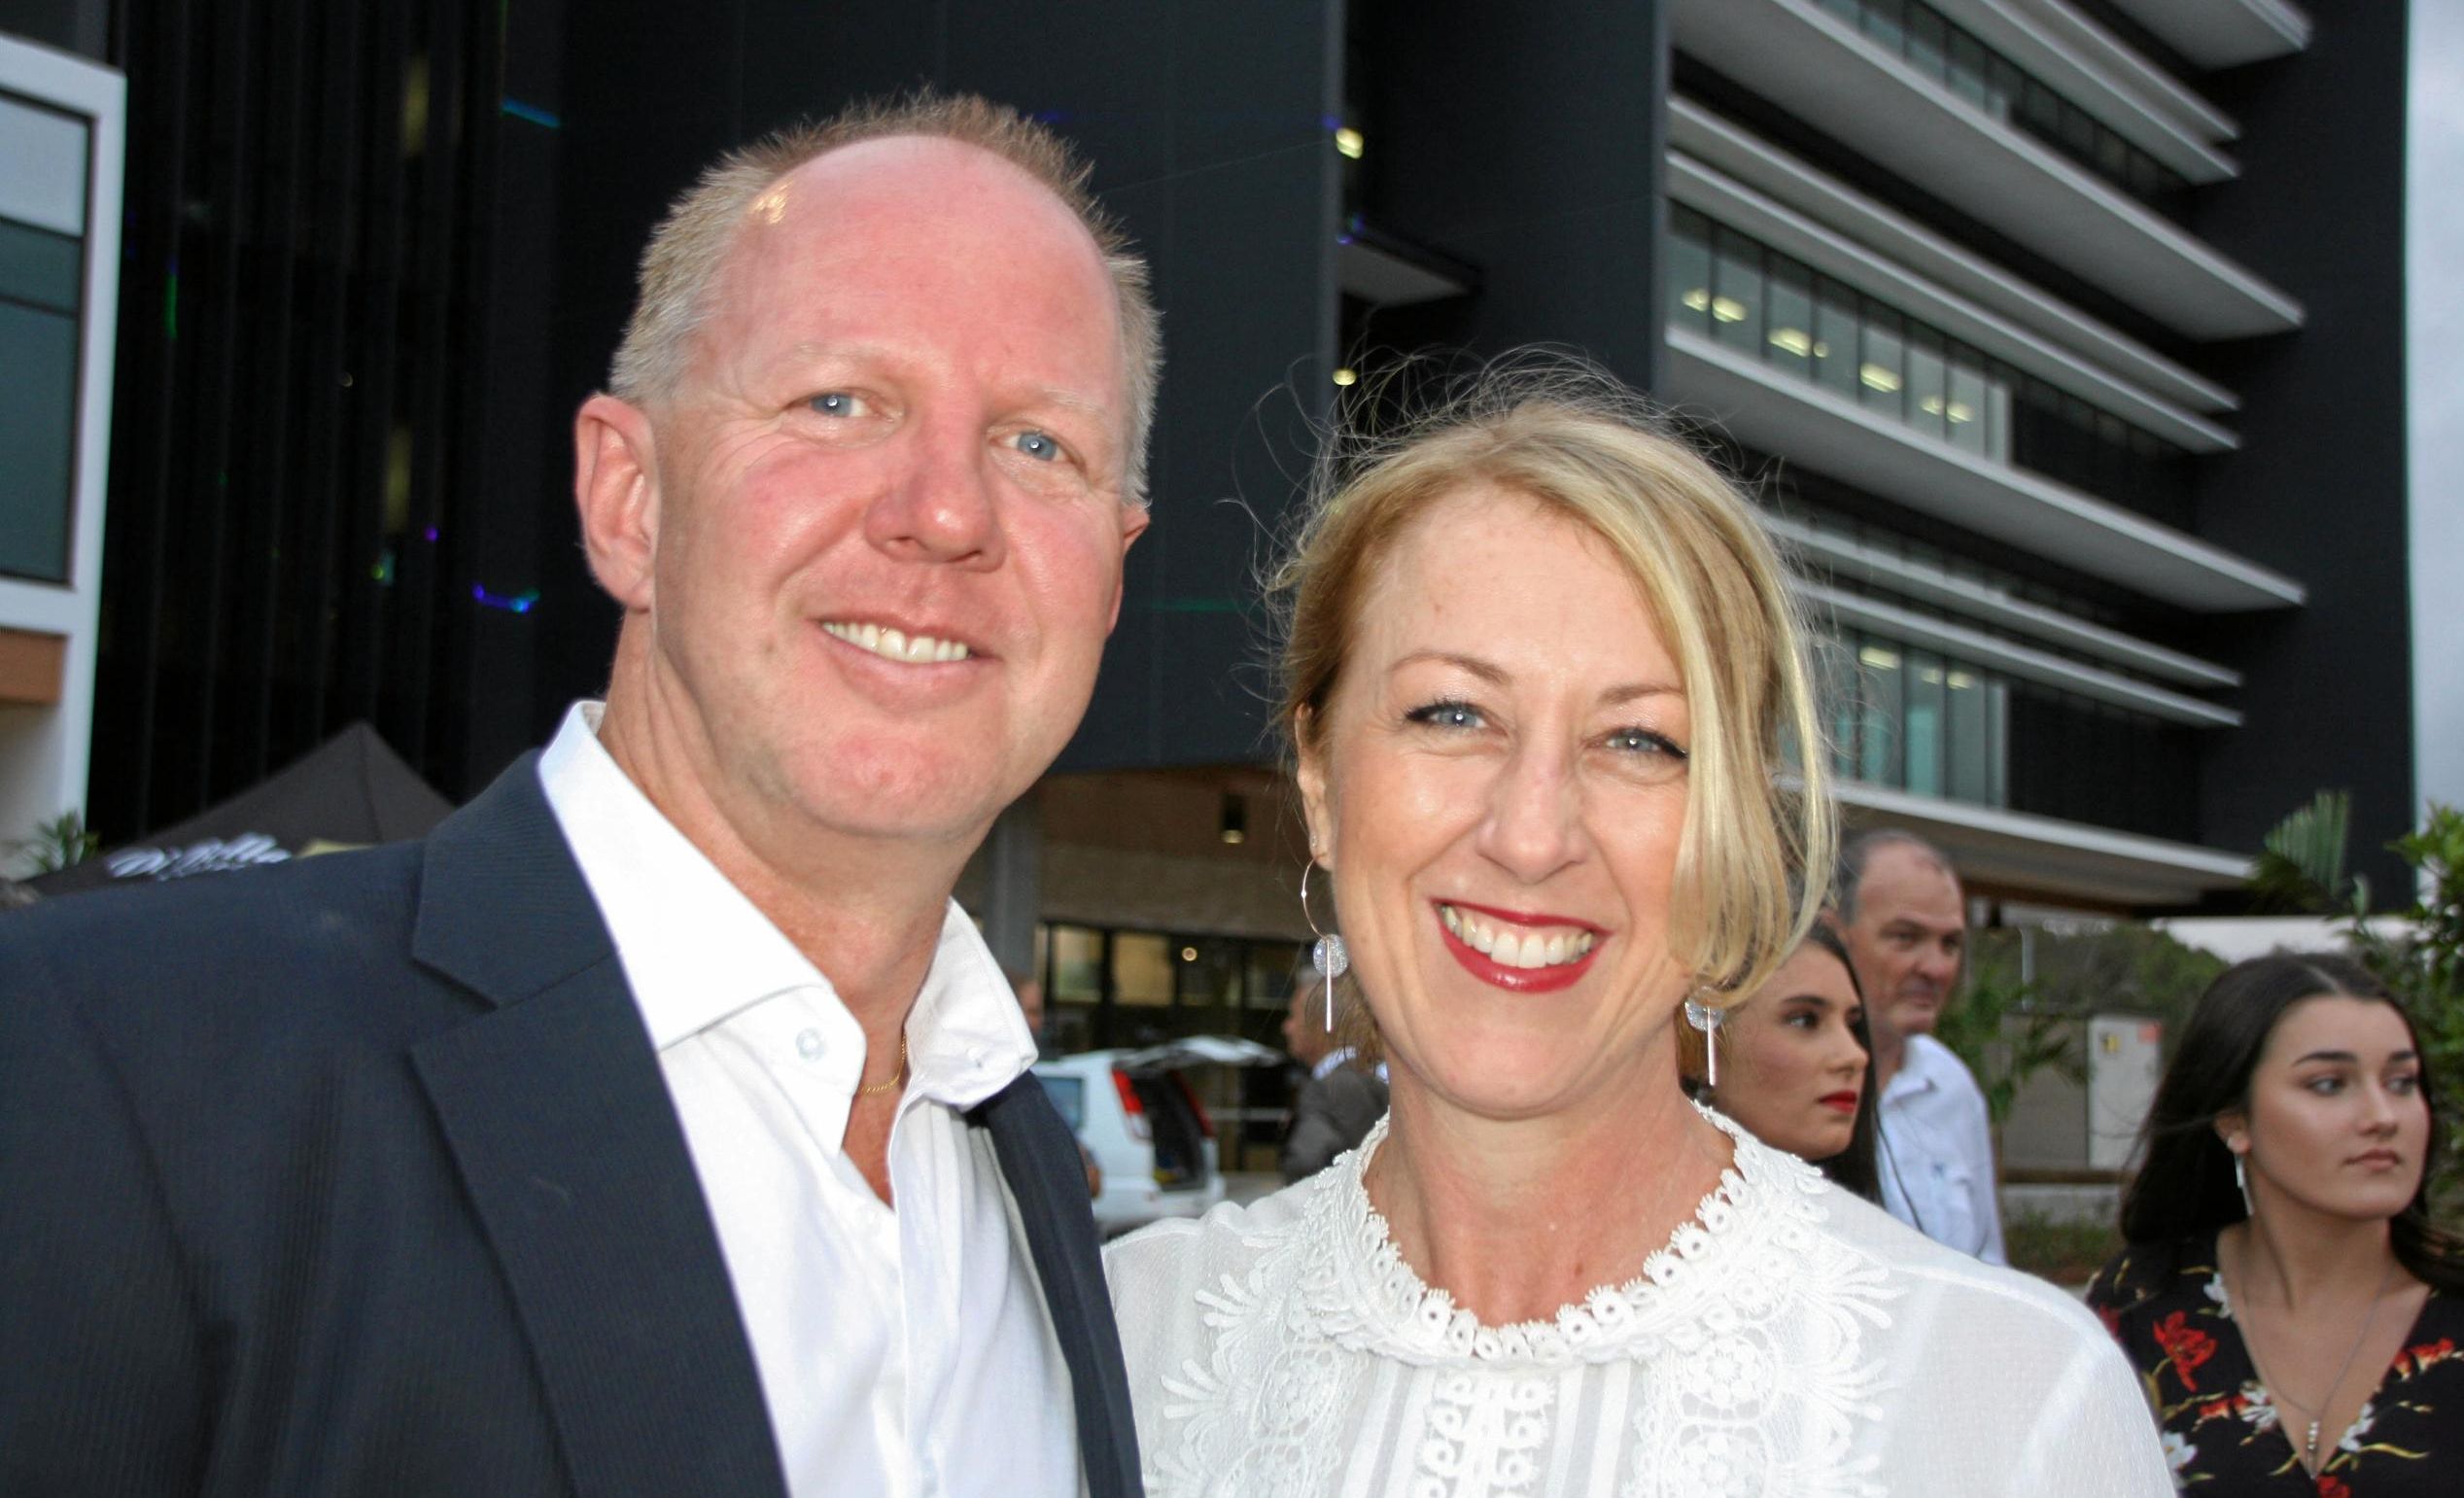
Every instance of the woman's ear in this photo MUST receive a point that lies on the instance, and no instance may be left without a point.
(2233, 1130)
(1311, 772)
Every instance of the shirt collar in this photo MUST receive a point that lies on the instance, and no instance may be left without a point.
(696, 951)
(1917, 1070)
(1328, 1063)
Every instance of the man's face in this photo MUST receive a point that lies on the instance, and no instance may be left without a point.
(1908, 938)
(888, 525)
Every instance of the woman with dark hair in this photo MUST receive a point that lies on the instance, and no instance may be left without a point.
(2298, 1321)
(1797, 1065)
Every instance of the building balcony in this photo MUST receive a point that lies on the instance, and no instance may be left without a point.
(1880, 104)
(2017, 853)
(2223, 33)
(1783, 412)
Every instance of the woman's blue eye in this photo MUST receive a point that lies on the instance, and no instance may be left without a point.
(1641, 741)
(838, 403)
(1446, 714)
(2325, 1086)
(1038, 445)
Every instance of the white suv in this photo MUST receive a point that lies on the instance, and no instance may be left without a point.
(1138, 1117)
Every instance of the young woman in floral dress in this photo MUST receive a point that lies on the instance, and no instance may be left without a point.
(2297, 1320)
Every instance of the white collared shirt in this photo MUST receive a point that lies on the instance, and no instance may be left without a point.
(1937, 1152)
(900, 1353)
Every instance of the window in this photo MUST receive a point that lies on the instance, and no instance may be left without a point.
(1077, 966)
(1921, 735)
(1688, 271)
(1790, 321)
(42, 281)
(1881, 368)
(1141, 968)
(1912, 720)
(1835, 337)
(1736, 291)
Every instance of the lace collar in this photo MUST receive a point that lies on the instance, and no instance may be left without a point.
(1737, 1245)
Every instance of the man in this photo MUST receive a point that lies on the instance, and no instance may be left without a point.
(1336, 1102)
(659, 1125)
(1904, 919)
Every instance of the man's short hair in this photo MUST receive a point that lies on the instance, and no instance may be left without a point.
(687, 250)
(1859, 852)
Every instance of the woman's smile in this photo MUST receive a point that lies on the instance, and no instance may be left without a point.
(1526, 954)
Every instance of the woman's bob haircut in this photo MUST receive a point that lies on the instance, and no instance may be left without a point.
(1753, 862)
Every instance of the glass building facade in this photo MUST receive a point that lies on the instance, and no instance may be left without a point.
(1733, 289)
(42, 220)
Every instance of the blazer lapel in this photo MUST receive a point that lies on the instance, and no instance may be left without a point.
(1039, 1160)
(560, 1122)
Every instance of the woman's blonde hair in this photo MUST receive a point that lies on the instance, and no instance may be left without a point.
(1753, 862)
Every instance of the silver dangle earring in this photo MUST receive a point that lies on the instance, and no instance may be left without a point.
(1703, 1017)
(1326, 954)
(2241, 1181)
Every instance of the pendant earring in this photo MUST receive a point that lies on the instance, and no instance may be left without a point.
(1326, 954)
(2241, 1181)
(1705, 1018)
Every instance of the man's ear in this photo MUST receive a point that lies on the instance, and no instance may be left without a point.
(1135, 519)
(1311, 772)
(617, 490)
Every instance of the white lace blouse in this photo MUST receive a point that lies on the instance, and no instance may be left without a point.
(1791, 1340)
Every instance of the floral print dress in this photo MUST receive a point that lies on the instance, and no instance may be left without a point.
(2222, 1430)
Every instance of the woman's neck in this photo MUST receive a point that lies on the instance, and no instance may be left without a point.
(1518, 1218)
(2293, 1258)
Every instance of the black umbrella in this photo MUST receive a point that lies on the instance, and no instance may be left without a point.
(348, 793)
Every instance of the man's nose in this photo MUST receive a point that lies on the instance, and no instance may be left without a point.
(942, 500)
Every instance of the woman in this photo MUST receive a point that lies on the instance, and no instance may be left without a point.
(1540, 664)
(2298, 1321)
(1796, 1071)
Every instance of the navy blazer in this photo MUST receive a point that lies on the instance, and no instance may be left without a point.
(360, 1175)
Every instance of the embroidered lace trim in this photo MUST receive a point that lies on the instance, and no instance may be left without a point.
(1370, 1299)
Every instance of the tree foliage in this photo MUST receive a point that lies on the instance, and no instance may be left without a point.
(56, 844)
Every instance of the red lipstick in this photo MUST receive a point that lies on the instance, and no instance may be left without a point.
(1518, 980)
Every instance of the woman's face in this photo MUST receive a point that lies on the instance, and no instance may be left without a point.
(1791, 1069)
(1498, 789)
(2337, 1123)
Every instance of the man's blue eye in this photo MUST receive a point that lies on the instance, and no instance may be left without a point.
(1038, 445)
(837, 403)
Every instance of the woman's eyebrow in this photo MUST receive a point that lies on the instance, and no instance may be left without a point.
(1473, 664)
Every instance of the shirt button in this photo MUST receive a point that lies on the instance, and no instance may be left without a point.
(976, 1057)
(809, 1045)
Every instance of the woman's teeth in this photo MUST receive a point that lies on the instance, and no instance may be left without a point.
(1517, 946)
(891, 645)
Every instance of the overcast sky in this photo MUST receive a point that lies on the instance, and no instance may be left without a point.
(2433, 254)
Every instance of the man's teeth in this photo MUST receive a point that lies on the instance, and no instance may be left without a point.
(1510, 947)
(891, 645)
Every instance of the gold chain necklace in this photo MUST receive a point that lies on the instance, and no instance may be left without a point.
(896, 1077)
(2309, 1442)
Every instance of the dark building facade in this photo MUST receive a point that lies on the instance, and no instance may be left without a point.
(2063, 338)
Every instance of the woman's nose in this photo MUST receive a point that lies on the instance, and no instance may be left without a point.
(1534, 826)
